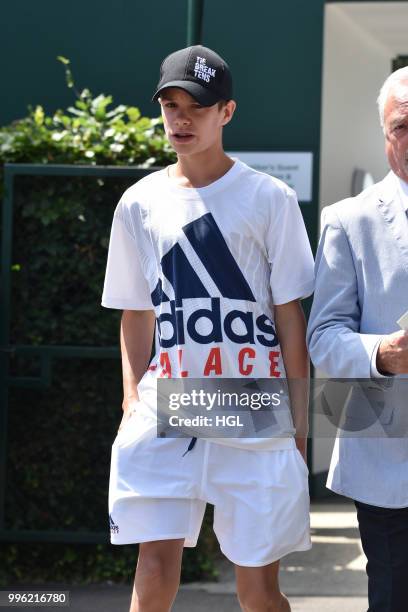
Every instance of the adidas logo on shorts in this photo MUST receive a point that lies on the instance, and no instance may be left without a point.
(113, 527)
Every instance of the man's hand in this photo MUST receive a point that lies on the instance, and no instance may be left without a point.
(136, 337)
(301, 445)
(130, 406)
(392, 354)
(291, 330)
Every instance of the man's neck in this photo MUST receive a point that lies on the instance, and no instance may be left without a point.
(200, 170)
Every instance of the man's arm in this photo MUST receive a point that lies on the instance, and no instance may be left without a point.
(291, 330)
(136, 338)
(336, 345)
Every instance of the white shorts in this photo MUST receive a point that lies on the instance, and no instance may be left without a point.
(260, 498)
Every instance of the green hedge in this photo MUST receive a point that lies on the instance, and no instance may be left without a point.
(60, 437)
(88, 132)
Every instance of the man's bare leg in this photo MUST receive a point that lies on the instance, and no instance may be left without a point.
(157, 576)
(258, 589)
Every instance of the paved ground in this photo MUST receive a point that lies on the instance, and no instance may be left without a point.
(329, 578)
(117, 600)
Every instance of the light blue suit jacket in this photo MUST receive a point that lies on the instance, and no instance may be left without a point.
(361, 291)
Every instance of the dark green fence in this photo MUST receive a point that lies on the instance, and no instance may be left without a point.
(44, 356)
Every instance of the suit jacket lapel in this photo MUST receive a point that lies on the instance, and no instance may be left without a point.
(390, 207)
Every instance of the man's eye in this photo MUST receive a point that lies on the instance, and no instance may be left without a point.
(399, 127)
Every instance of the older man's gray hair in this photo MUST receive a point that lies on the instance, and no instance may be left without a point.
(392, 83)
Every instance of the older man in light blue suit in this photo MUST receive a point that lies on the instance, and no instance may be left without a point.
(361, 292)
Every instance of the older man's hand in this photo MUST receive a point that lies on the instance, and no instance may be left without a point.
(392, 355)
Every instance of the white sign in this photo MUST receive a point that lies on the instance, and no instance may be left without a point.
(295, 169)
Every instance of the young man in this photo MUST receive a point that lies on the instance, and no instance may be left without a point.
(217, 254)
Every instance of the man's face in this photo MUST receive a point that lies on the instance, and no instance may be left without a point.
(396, 130)
(190, 127)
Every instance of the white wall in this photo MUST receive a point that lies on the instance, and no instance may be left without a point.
(354, 67)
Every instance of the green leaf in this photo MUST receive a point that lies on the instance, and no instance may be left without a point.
(75, 111)
(133, 113)
(116, 147)
(119, 110)
(39, 115)
(109, 133)
(57, 136)
(99, 104)
(85, 94)
(63, 60)
(81, 105)
(69, 78)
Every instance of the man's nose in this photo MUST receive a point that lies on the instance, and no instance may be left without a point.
(182, 118)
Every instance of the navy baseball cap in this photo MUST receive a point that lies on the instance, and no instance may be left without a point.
(200, 72)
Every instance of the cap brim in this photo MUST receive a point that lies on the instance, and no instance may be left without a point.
(200, 93)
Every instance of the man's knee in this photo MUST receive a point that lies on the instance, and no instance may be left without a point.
(152, 567)
(263, 600)
(157, 577)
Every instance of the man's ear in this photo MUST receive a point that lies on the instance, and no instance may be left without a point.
(228, 111)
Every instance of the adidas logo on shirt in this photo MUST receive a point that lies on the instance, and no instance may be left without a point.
(209, 244)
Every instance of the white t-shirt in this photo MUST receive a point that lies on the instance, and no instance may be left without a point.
(211, 262)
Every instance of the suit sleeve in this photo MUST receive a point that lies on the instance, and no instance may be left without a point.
(336, 346)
